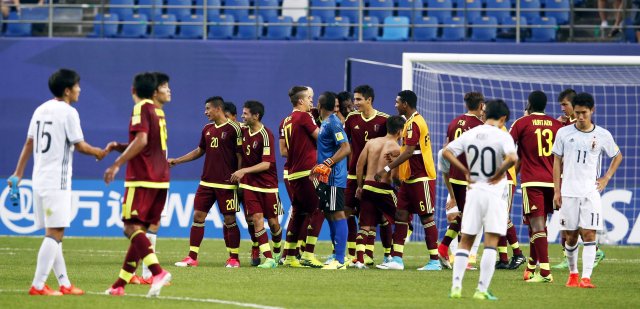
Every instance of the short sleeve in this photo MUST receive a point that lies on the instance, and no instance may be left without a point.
(307, 123)
(281, 129)
(609, 146)
(72, 127)
(457, 145)
(140, 119)
(558, 144)
(443, 164)
(347, 127)
(268, 150)
(31, 132)
(339, 135)
(514, 132)
(508, 145)
(413, 135)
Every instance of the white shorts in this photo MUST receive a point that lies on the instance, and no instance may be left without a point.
(581, 212)
(52, 208)
(486, 209)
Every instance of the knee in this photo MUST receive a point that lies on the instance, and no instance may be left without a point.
(228, 220)
(199, 216)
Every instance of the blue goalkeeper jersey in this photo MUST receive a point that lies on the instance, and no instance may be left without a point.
(330, 137)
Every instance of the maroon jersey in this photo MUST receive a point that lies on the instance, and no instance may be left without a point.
(457, 126)
(286, 162)
(360, 130)
(315, 112)
(258, 147)
(221, 144)
(568, 121)
(150, 167)
(534, 134)
(297, 130)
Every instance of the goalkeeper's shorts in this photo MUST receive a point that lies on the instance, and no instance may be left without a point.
(331, 197)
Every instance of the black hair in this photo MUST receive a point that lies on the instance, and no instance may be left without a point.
(230, 108)
(409, 97)
(583, 99)
(395, 124)
(473, 99)
(366, 91)
(568, 94)
(255, 108)
(161, 78)
(61, 80)
(327, 101)
(537, 101)
(144, 84)
(494, 109)
(295, 94)
(343, 97)
(216, 102)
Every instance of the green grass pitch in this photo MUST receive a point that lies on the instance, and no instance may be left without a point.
(93, 264)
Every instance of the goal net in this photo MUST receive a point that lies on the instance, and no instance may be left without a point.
(441, 80)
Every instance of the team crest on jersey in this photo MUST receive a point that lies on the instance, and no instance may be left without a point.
(594, 143)
(562, 222)
(224, 135)
(461, 123)
(376, 127)
(571, 140)
(255, 144)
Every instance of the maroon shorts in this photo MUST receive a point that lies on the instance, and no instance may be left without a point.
(537, 201)
(350, 200)
(206, 196)
(266, 203)
(303, 195)
(143, 205)
(460, 193)
(418, 197)
(378, 199)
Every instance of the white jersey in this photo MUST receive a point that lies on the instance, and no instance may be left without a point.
(581, 154)
(485, 147)
(443, 165)
(55, 129)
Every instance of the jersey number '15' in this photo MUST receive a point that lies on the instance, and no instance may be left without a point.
(43, 134)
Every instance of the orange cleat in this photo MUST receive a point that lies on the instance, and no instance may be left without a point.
(574, 281)
(71, 290)
(585, 283)
(45, 291)
(527, 274)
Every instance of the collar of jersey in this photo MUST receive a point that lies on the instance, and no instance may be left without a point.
(256, 132)
(217, 126)
(375, 113)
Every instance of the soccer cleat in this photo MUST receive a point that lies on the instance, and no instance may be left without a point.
(360, 265)
(71, 290)
(232, 263)
(255, 256)
(268, 263)
(502, 265)
(46, 291)
(159, 281)
(443, 256)
(368, 260)
(140, 280)
(395, 264)
(599, 257)
(387, 259)
(573, 281)
(311, 261)
(564, 264)
(276, 257)
(455, 292)
(335, 265)
(484, 295)
(516, 261)
(528, 274)
(431, 265)
(537, 278)
(585, 283)
(119, 291)
(292, 262)
(473, 259)
(187, 262)
(471, 267)
(330, 259)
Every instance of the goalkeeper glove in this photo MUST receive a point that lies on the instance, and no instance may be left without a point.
(322, 170)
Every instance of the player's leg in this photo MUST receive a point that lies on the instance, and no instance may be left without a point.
(590, 222)
(274, 226)
(487, 264)
(569, 224)
(228, 206)
(564, 264)
(425, 197)
(291, 240)
(351, 211)
(46, 257)
(152, 234)
(459, 192)
(517, 258)
(400, 231)
(460, 265)
(316, 219)
(386, 236)
(540, 204)
(503, 257)
(202, 203)
(332, 201)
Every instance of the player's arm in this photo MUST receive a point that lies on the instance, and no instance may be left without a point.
(284, 152)
(258, 168)
(119, 147)
(25, 155)
(404, 156)
(557, 180)
(132, 150)
(613, 166)
(85, 148)
(510, 159)
(362, 161)
(314, 134)
(449, 155)
(190, 156)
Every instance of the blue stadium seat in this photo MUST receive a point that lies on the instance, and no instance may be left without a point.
(108, 29)
(337, 28)
(308, 28)
(440, 9)
(630, 33)
(543, 29)
(508, 31)
(429, 31)
(500, 9)
(381, 8)
(468, 8)
(485, 29)
(238, 13)
(135, 26)
(416, 7)
(396, 28)
(562, 17)
(252, 28)
(221, 27)
(349, 8)
(282, 31)
(17, 29)
(213, 7)
(35, 13)
(370, 29)
(323, 8)
(179, 8)
(121, 8)
(267, 8)
(530, 9)
(164, 26)
(193, 30)
(150, 7)
(453, 29)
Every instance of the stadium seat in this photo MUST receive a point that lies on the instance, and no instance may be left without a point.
(370, 29)
(323, 8)
(150, 7)
(428, 31)
(337, 28)
(381, 8)
(221, 27)
(121, 8)
(193, 30)
(134, 26)
(164, 26)
(453, 29)
(507, 33)
(562, 17)
(106, 29)
(213, 7)
(237, 12)
(349, 8)
(17, 29)
(396, 28)
(469, 9)
(485, 29)
(308, 28)
(440, 9)
(630, 33)
(530, 9)
(500, 9)
(416, 7)
(543, 29)
(179, 8)
(282, 31)
(251, 28)
(267, 9)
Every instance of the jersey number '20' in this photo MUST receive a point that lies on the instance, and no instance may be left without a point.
(487, 167)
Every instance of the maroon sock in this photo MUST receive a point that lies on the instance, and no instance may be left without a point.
(302, 234)
(263, 239)
(512, 238)
(371, 240)
(130, 265)
(399, 236)
(361, 242)
(314, 228)
(293, 230)
(276, 238)
(533, 257)
(234, 239)
(454, 226)
(502, 242)
(353, 233)
(252, 233)
(542, 251)
(386, 236)
(225, 234)
(143, 248)
(431, 238)
(195, 238)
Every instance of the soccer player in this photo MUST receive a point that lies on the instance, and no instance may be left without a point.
(534, 134)
(345, 99)
(146, 182)
(377, 199)
(220, 143)
(360, 126)
(331, 172)
(418, 175)
(54, 133)
(259, 179)
(565, 98)
(230, 111)
(577, 184)
(474, 101)
(490, 153)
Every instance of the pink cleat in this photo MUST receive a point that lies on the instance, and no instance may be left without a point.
(119, 291)
(71, 290)
(187, 262)
(159, 281)
(232, 263)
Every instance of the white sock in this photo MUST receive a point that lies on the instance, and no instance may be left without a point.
(146, 273)
(60, 268)
(572, 257)
(459, 267)
(588, 258)
(487, 268)
(46, 256)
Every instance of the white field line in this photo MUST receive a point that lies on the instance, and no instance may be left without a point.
(177, 298)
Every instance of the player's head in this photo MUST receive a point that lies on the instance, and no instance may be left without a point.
(327, 101)
(65, 84)
(214, 108)
(162, 94)
(473, 100)
(144, 85)
(496, 110)
(301, 97)
(252, 112)
(363, 97)
(346, 103)
(565, 98)
(230, 111)
(537, 101)
(395, 124)
(406, 102)
(583, 107)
